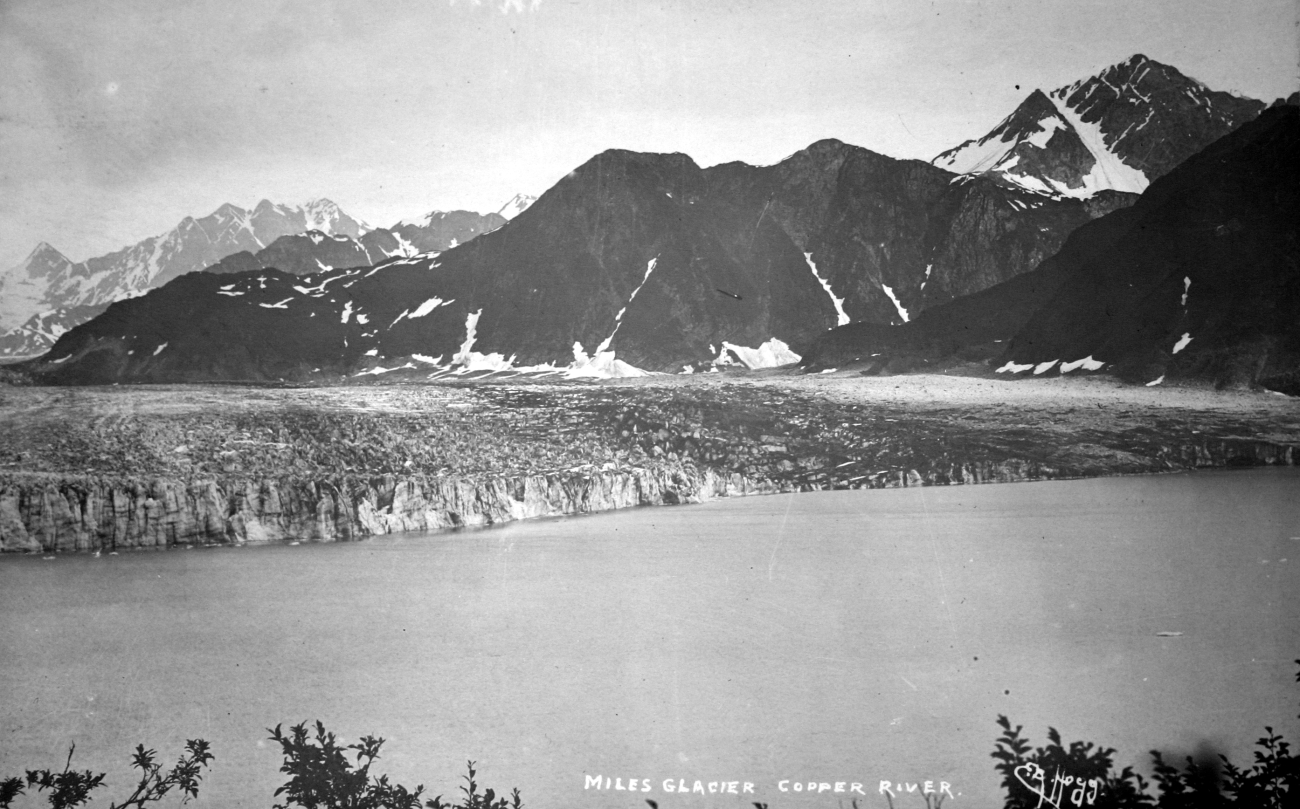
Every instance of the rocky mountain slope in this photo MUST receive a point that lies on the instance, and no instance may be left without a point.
(442, 230)
(645, 255)
(1200, 279)
(47, 280)
(314, 251)
(24, 289)
(38, 333)
(59, 294)
(1120, 129)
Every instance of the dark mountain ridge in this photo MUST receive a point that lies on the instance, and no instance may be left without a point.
(1131, 123)
(647, 255)
(1198, 280)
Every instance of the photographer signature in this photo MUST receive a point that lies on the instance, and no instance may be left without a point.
(1081, 791)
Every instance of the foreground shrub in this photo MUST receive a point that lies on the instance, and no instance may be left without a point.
(1083, 775)
(70, 788)
(322, 777)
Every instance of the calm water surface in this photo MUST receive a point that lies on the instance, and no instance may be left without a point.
(844, 636)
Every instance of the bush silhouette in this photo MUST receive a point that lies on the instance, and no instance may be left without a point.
(322, 777)
(70, 788)
(1083, 775)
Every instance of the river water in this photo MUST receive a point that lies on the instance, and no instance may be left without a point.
(838, 638)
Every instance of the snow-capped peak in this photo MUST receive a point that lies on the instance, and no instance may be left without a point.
(1118, 129)
(44, 251)
(421, 221)
(321, 214)
(517, 205)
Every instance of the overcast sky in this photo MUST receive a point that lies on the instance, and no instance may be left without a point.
(119, 118)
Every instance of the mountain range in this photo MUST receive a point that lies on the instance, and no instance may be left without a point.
(1200, 279)
(48, 294)
(646, 255)
(48, 280)
(1120, 129)
(671, 267)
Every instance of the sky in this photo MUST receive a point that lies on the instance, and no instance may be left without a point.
(118, 119)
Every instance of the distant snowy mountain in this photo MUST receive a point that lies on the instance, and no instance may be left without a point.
(47, 293)
(1130, 124)
(23, 288)
(314, 251)
(35, 336)
(442, 230)
(517, 205)
(47, 280)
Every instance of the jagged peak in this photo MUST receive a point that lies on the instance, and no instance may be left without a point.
(44, 251)
(420, 221)
(321, 204)
(267, 208)
(1038, 98)
(229, 209)
(1124, 76)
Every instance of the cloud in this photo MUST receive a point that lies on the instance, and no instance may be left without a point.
(507, 6)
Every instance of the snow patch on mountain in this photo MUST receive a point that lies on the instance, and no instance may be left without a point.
(902, 313)
(772, 354)
(976, 157)
(841, 319)
(1109, 170)
(601, 365)
(1046, 127)
(517, 205)
(428, 306)
(1087, 364)
(468, 360)
(404, 247)
(618, 319)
